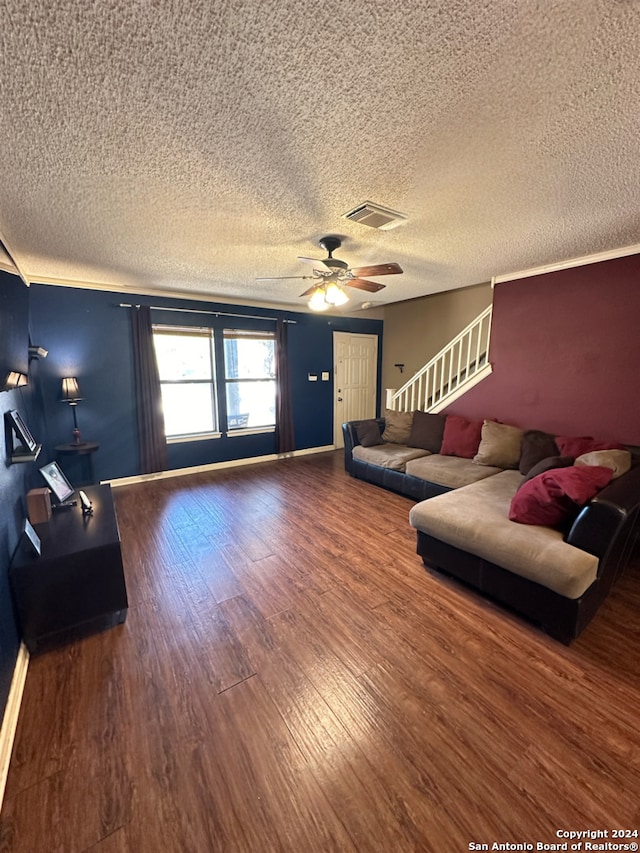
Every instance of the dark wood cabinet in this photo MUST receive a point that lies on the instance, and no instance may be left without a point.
(77, 584)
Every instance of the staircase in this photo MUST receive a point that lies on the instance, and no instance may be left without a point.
(452, 372)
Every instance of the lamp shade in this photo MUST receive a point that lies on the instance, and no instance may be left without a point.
(70, 390)
(14, 380)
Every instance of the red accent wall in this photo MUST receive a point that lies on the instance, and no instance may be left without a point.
(565, 349)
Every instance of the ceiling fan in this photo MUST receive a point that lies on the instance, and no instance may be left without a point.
(331, 274)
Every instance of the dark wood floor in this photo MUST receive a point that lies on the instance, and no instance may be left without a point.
(290, 678)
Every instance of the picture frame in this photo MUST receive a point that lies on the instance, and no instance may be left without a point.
(21, 430)
(57, 482)
(31, 538)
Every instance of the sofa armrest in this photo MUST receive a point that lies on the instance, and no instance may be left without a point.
(351, 440)
(613, 509)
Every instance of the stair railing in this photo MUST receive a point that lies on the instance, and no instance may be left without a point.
(452, 371)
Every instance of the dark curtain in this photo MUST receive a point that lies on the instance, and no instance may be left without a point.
(285, 439)
(151, 436)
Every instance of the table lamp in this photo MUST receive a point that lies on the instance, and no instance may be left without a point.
(71, 395)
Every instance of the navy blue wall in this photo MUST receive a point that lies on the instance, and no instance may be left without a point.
(15, 481)
(88, 336)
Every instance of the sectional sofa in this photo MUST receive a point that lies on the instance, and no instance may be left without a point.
(543, 524)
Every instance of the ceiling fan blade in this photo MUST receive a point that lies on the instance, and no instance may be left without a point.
(379, 269)
(320, 265)
(310, 290)
(282, 277)
(363, 284)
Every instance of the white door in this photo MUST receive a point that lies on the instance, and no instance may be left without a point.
(355, 368)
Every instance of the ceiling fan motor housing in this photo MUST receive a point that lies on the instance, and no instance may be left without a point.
(330, 244)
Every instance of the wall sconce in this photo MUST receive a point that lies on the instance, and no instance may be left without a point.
(14, 380)
(400, 367)
(71, 395)
(37, 352)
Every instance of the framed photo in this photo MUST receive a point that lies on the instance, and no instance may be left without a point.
(31, 538)
(57, 482)
(21, 430)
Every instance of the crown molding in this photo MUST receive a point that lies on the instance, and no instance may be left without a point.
(130, 291)
(8, 263)
(609, 255)
(7, 266)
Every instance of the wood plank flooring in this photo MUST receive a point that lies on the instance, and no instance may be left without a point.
(290, 678)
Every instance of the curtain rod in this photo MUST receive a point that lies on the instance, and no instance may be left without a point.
(210, 313)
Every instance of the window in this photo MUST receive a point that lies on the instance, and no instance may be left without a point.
(187, 379)
(249, 370)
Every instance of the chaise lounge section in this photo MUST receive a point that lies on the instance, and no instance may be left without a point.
(556, 578)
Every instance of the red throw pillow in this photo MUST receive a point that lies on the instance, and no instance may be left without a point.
(461, 437)
(553, 497)
(575, 446)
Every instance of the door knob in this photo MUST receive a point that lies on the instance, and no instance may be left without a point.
(339, 399)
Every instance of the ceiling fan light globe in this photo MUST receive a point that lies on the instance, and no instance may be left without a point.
(317, 301)
(335, 295)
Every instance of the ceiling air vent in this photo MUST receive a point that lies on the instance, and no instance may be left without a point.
(375, 216)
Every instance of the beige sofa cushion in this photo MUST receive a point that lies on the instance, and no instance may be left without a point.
(451, 471)
(393, 456)
(475, 519)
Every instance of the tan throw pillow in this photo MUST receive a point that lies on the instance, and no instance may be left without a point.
(618, 460)
(397, 426)
(500, 445)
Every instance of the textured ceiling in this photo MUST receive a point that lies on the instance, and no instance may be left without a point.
(192, 147)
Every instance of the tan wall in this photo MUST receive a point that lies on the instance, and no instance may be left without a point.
(415, 330)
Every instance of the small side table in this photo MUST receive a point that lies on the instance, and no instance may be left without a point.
(84, 452)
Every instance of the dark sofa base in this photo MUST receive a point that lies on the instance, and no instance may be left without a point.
(562, 618)
(396, 481)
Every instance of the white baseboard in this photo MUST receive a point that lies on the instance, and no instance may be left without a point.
(11, 713)
(215, 466)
